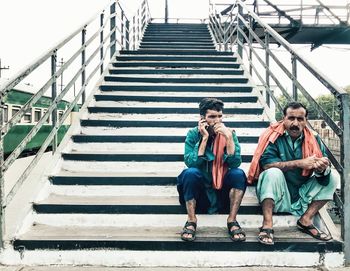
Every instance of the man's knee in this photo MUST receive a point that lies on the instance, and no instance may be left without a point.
(333, 182)
(191, 177)
(236, 178)
(271, 184)
(271, 176)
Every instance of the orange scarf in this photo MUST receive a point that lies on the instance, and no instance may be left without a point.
(310, 147)
(219, 167)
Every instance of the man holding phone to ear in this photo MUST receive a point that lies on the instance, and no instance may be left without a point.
(212, 183)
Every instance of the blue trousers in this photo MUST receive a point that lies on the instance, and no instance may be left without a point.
(191, 185)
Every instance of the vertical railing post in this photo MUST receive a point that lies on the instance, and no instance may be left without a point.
(226, 30)
(166, 15)
(239, 34)
(267, 62)
(250, 48)
(138, 27)
(127, 38)
(345, 175)
(112, 29)
(133, 33)
(83, 37)
(220, 25)
(53, 97)
(101, 41)
(294, 73)
(122, 28)
(2, 180)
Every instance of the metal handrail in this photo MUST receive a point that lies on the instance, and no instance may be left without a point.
(117, 34)
(245, 22)
(295, 12)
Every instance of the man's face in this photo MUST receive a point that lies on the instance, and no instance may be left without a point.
(213, 116)
(295, 121)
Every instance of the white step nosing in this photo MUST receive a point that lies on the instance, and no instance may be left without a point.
(145, 148)
(120, 168)
(136, 104)
(155, 131)
(123, 190)
(154, 117)
(151, 220)
(186, 259)
(171, 94)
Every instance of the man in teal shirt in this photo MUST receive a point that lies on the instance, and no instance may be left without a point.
(283, 188)
(195, 184)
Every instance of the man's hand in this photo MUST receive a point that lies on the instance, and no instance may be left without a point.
(202, 124)
(321, 164)
(313, 162)
(307, 163)
(220, 128)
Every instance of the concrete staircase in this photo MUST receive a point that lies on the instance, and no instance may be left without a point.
(113, 200)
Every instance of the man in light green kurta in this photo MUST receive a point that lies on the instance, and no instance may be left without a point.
(282, 188)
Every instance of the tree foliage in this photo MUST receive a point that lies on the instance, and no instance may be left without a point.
(327, 102)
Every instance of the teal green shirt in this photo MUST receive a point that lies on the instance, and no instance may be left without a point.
(204, 163)
(284, 149)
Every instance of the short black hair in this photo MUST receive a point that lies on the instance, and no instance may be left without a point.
(210, 104)
(294, 105)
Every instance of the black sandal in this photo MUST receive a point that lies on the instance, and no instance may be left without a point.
(267, 234)
(186, 230)
(307, 230)
(235, 232)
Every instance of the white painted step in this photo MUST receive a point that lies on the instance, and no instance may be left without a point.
(124, 191)
(131, 168)
(176, 259)
(46, 232)
(109, 83)
(124, 104)
(147, 148)
(157, 131)
(146, 199)
(176, 94)
(173, 117)
(154, 220)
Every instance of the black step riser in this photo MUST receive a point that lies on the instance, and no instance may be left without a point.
(146, 110)
(179, 39)
(175, 43)
(201, 244)
(176, 58)
(132, 157)
(118, 98)
(177, 88)
(165, 124)
(177, 65)
(124, 209)
(175, 80)
(175, 52)
(177, 71)
(70, 180)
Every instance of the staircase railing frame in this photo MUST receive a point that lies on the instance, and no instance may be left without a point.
(117, 34)
(242, 22)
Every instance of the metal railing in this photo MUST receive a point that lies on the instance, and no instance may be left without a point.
(122, 34)
(236, 32)
(296, 12)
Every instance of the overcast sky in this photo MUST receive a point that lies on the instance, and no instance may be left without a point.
(30, 27)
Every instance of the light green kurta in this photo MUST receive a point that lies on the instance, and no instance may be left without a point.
(290, 191)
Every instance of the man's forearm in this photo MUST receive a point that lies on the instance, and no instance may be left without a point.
(202, 146)
(284, 166)
(230, 146)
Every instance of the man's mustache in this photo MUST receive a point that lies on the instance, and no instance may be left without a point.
(294, 128)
